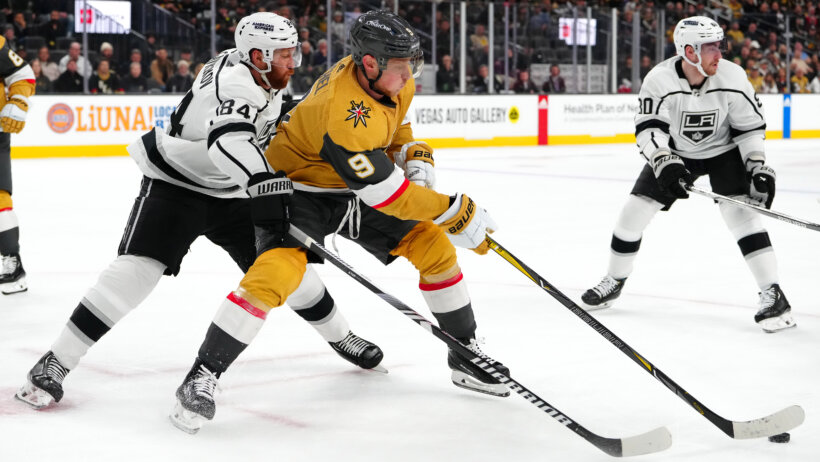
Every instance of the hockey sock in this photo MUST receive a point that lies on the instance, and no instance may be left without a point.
(234, 327)
(626, 238)
(754, 243)
(313, 303)
(120, 288)
(450, 304)
(9, 231)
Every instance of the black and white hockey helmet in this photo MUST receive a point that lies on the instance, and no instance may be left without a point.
(695, 31)
(266, 32)
(384, 35)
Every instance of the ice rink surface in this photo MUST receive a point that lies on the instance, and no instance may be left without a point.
(688, 308)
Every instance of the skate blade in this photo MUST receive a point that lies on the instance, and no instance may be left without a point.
(378, 368)
(597, 307)
(782, 322)
(468, 382)
(35, 397)
(188, 421)
(15, 287)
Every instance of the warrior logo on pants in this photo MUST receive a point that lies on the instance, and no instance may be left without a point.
(699, 126)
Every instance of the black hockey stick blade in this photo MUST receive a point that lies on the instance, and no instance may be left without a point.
(774, 424)
(761, 210)
(656, 440)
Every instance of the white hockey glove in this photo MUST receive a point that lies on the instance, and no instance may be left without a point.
(13, 114)
(416, 159)
(467, 224)
(761, 182)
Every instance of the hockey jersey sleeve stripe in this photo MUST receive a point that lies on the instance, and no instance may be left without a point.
(652, 123)
(154, 155)
(233, 127)
(261, 154)
(384, 192)
(394, 196)
(735, 132)
(232, 159)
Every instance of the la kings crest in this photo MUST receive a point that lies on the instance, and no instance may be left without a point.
(699, 127)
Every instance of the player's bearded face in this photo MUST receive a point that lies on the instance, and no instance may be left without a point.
(282, 67)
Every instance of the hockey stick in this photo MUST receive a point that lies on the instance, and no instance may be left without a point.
(779, 422)
(647, 443)
(756, 208)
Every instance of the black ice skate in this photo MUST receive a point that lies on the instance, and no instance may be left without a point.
(603, 295)
(468, 375)
(12, 275)
(775, 311)
(360, 352)
(195, 399)
(45, 383)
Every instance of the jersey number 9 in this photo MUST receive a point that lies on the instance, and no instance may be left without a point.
(361, 165)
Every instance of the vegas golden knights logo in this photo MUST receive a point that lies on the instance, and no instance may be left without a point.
(698, 127)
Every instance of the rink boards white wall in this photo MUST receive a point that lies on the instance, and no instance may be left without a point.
(70, 126)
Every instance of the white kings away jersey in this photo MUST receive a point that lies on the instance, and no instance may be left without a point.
(218, 132)
(699, 123)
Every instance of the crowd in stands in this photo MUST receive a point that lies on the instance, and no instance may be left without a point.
(41, 32)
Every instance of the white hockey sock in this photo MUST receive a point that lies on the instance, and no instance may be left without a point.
(120, 288)
(449, 302)
(239, 318)
(313, 303)
(626, 238)
(753, 240)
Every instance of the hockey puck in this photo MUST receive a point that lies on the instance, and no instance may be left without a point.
(781, 438)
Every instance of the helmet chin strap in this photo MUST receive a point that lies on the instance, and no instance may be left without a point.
(372, 82)
(699, 64)
(262, 72)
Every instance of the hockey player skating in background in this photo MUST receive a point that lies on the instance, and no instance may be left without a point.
(339, 147)
(698, 115)
(17, 86)
(197, 175)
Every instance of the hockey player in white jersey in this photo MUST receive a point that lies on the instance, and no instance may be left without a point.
(198, 176)
(698, 115)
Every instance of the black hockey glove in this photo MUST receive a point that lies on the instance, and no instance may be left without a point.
(670, 171)
(270, 200)
(761, 182)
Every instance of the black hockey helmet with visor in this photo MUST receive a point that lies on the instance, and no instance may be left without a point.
(384, 35)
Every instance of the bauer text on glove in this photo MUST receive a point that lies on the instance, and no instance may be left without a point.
(467, 224)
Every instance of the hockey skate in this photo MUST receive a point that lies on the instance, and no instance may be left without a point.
(471, 377)
(775, 311)
(12, 275)
(604, 294)
(360, 352)
(195, 399)
(45, 383)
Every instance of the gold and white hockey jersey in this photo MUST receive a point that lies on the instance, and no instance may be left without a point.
(340, 139)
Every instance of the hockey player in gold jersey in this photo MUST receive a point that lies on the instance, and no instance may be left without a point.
(16, 86)
(357, 171)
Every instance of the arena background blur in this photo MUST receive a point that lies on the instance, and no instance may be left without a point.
(469, 47)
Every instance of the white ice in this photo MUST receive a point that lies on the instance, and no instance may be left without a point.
(688, 308)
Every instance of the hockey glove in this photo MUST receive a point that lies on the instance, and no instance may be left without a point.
(670, 172)
(416, 159)
(467, 224)
(761, 182)
(270, 200)
(13, 114)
